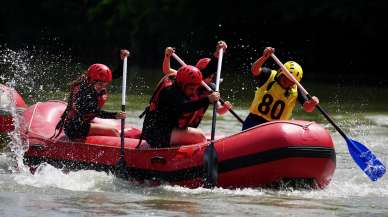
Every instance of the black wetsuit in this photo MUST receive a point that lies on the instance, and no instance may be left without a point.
(159, 123)
(253, 119)
(83, 110)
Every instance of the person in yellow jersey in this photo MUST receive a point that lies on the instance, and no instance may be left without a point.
(276, 94)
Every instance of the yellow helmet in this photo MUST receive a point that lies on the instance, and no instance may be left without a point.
(295, 69)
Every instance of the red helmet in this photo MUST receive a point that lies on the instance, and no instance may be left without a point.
(99, 72)
(202, 63)
(188, 75)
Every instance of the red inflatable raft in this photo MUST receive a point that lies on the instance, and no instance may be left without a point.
(272, 153)
(7, 97)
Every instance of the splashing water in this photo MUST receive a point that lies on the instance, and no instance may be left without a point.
(18, 145)
(48, 176)
(36, 74)
(15, 68)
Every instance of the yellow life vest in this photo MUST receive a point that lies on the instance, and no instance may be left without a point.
(272, 101)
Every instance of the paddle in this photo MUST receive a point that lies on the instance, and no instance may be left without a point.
(210, 158)
(364, 158)
(121, 166)
(176, 57)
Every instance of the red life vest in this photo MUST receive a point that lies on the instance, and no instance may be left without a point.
(194, 119)
(165, 82)
(187, 119)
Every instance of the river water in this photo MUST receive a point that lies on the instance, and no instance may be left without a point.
(50, 192)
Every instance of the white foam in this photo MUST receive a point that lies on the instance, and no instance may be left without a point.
(48, 176)
(223, 191)
(378, 119)
(340, 187)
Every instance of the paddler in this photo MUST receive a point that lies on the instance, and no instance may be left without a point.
(164, 123)
(208, 68)
(87, 96)
(276, 94)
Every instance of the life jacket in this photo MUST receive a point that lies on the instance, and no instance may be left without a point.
(272, 101)
(194, 119)
(185, 120)
(168, 80)
(71, 111)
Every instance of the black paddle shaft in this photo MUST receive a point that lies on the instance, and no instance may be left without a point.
(232, 112)
(214, 120)
(327, 116)
(223, 102)
(121, 165)
(122, 152)
(210, 157)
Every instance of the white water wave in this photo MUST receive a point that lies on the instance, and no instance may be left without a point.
(47, 176)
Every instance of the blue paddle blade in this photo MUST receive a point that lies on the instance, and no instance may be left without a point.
(366, 160)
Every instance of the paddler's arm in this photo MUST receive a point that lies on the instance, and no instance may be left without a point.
(257, 65)
(111, 115)
(211, 68)
(308, 105)
(166, 62)
(222, 108)
(106, 114)
(220, 44)
(194, 105)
